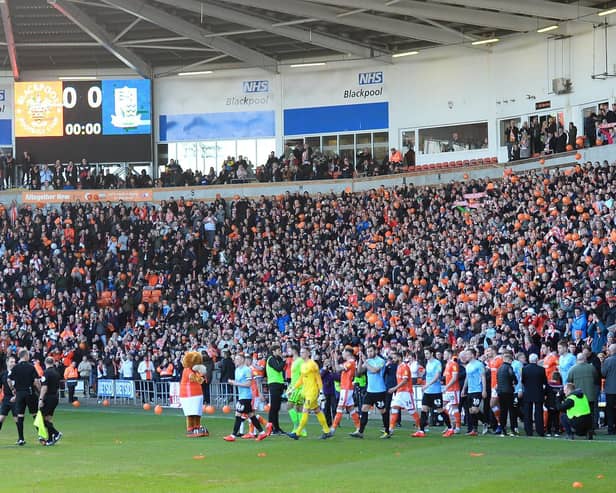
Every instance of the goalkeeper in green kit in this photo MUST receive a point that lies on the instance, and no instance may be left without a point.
(296, 398)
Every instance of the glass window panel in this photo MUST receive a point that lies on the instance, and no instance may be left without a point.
(408, 139)
(364, 140)
(264, 147)
(314, 143)
(347, 148)
(172, 151)
(381, 146)
(453, 138)
(225, 149)
(187, 155)
(503, 126)
(207, 156)
(248, 149)
(330, 145)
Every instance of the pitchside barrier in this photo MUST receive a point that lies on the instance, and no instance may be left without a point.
(167, 394)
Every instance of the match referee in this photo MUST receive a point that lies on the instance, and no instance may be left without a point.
(25, 384)
(48, 400)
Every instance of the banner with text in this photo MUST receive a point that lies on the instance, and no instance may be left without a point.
(88, 196)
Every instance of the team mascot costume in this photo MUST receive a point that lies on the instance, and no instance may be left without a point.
(191, 394)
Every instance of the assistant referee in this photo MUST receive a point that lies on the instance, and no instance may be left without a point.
(274, 369)
(25, 384)
(48, 400)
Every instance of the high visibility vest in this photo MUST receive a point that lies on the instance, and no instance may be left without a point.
(273, 376)
(581, 406)
(71, 373)
(360, 381)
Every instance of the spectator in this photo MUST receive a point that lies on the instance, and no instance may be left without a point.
(584, 376)
(535, 382)
(85, 372)
(608, 372)
(577, 418)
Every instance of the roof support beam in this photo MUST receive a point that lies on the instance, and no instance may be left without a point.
(264, 24)
(440, 12)
(537, 8)
(126, 30)
(179, 26)
(370, 22)
(10, 37)
(92, 29)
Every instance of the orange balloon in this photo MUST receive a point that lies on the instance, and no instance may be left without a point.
(578, 156)
(147, 407)
(542, 161)
(105, 403)
(226, 409)
(383, 281)
(465, 176)
(158, 409)
(577, 484)
(210, 409)
(76, 403)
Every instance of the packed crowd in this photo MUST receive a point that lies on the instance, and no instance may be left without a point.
(518, 263)
(550, 137)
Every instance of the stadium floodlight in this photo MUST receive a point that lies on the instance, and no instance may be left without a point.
(607, 12)
(313, 64)
(547, 29)
(200, 72)
(485, 41)
(405, 53)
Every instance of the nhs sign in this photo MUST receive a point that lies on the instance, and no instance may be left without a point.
(366, 78)
(252, 86)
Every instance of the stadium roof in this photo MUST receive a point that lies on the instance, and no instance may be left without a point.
(166, 36)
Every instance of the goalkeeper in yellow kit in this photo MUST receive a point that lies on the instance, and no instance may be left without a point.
(311, 385)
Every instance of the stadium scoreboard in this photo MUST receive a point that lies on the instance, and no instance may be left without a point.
(102, 121)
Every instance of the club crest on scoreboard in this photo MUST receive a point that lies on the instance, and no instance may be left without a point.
(126, 109)
(38, 109)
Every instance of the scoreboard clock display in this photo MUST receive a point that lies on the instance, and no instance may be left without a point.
(102, 121)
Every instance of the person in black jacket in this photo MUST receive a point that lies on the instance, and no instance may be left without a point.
(25, 384)
(505, 389)
(535, 382)
(274, 371)
(227, 372)
(48, 400)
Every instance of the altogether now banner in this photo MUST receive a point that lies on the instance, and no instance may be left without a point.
(60, 196)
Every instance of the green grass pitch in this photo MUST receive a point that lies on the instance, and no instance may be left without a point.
(111, 449)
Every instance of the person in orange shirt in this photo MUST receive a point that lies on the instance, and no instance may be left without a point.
(347, 374)
(395, 156)
(550, 363)
(403, 397)
(71, 375)
(451, 392)
(494, 362)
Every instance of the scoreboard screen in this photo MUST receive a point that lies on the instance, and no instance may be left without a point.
(102, 121)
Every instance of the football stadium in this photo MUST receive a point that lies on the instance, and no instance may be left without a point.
(308, 245)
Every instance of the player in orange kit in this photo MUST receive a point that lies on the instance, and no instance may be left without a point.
(451, 391)
(347, 374)
(494, 361)
(403, 397)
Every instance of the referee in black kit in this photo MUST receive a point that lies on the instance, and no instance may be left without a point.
(48, 400)
(25, 385)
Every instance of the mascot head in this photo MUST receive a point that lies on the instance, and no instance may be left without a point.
(192, 358)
